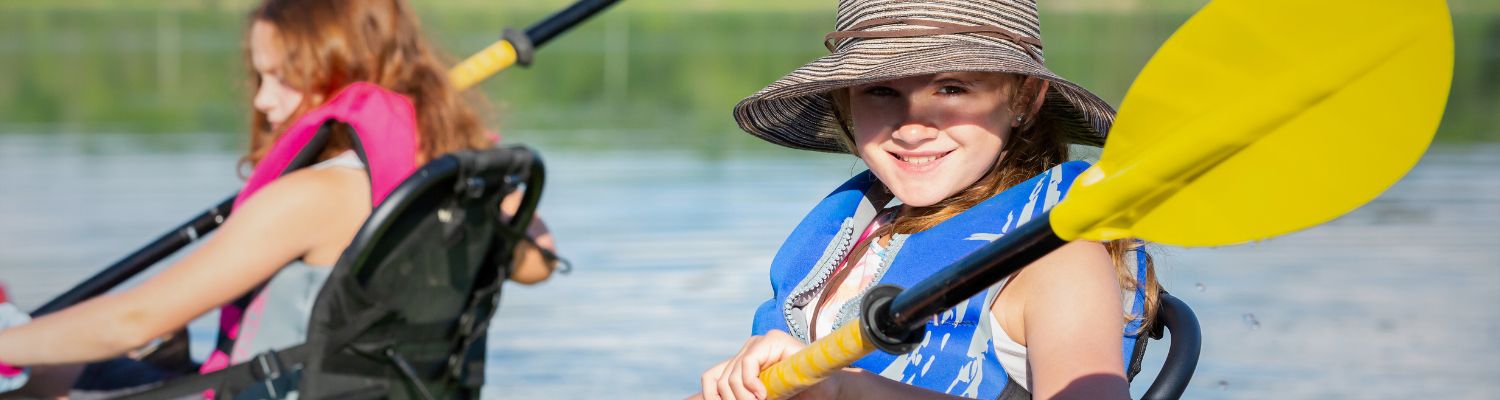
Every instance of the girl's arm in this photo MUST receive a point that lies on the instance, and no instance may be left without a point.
(531, 266)
(1072, 318)
(280, 224)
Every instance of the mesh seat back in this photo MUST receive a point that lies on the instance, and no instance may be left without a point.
(411, 296)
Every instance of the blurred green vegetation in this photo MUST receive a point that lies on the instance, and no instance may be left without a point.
(1458, 6)
(646, 73)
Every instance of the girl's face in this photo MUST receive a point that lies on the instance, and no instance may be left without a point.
(274, 98)
(929, 137)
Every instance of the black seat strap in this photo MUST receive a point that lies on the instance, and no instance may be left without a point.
(266, 367)
(1013, 391)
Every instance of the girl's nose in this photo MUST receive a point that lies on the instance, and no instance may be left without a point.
(263, 99)
(914, 133)
(918, 126)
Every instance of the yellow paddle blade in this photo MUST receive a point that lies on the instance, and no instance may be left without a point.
(1262, 117)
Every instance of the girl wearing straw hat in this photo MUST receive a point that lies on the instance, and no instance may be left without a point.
(966, 134)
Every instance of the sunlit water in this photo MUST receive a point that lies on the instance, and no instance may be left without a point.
(671, 248)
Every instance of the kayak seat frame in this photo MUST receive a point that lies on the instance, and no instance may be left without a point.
(1172, 315)
(404, 313)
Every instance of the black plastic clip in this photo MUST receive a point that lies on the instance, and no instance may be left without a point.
(474, 187)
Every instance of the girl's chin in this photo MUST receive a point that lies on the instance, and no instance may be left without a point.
(922, 199)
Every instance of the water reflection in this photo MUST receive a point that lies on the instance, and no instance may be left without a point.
(671, 248)
(671, 215)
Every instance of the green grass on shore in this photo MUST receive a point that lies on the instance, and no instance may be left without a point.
(638, 68)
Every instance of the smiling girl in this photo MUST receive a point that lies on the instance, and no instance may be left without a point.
(966, 135)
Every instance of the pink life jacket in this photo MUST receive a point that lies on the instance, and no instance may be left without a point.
(385, 126)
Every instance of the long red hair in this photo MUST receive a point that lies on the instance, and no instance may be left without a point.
(329, 44)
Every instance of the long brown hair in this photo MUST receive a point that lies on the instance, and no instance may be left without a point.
(1038, 145)
(332, 43)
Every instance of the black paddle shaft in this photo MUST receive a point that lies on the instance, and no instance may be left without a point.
(140, 260)
(525, 44)
(549, 28)
(908, 312)
(189, 231)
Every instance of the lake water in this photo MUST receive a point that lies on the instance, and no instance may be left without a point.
(671, 215)
(671, 248)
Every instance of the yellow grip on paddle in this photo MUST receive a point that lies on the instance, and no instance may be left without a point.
(815, 362)
(498, 56)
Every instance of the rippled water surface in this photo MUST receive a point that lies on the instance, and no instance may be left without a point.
(671, 215)
(671, 248)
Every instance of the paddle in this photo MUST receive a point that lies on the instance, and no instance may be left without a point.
(513, 48)
(148, 255)
(1255, 119)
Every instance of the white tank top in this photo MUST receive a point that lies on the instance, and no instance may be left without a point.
(1012, 354)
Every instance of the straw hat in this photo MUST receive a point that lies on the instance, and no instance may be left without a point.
(881, 40)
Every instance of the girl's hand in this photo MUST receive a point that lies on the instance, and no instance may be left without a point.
(535, 259)
(739, 377)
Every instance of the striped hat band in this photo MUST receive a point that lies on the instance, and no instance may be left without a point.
(935, 28)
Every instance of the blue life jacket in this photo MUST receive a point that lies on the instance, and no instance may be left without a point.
(957, 355)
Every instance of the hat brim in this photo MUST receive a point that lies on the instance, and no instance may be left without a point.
(796, 111)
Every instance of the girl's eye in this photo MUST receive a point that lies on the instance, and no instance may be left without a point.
(881, 91)
(951, 90)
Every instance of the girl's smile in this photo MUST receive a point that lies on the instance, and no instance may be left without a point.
(929, 137)
(916, 162)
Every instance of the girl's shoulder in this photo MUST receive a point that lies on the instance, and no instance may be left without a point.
(317, 211)
(1065, 267)
(314, 190)
(1060, 286)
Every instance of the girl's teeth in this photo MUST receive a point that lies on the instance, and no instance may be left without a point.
(920, 160)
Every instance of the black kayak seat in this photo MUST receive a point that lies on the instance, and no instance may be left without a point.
(1173, 315)
(405, 311)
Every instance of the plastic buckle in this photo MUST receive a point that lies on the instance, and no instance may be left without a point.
(474, 187)
(266, 368)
